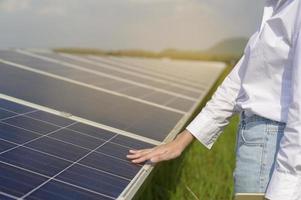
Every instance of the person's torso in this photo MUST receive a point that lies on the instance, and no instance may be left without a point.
(266, 72)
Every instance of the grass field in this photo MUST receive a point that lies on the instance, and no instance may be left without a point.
(198, 174)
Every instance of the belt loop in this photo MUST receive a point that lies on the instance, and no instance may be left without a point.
(242, 119)
(243, 116)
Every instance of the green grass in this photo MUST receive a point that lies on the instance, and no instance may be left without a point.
(198, 173)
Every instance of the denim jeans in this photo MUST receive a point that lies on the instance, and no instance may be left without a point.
(256, 146)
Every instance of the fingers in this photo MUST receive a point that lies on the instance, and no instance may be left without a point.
(140, 156)
(134, 151)
(156, 154)
(143, 158)
(147, 154)
(138, 153)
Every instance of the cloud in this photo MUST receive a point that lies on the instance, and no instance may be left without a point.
(151, 1)
(53, 8)
(123, 24)
(45, 7)
(14, 5)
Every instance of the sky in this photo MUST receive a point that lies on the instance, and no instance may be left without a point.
(126, 24)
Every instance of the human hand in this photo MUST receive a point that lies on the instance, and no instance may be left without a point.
(162, 152)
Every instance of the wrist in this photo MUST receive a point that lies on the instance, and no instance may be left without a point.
(184, 139)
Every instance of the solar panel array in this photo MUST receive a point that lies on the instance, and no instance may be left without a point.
(67, 122)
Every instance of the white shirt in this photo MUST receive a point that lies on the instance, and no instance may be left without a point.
(266, 81)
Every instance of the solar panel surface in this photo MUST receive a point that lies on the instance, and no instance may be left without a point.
(47, 155)
(98, 106)
(83, 72)
(67, 122)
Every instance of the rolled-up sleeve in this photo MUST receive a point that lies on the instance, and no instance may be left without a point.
(210, 122)
(285, 182)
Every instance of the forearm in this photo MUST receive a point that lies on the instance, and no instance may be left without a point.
(183, 139)
(215, 115)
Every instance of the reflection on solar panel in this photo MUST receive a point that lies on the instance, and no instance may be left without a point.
(67, 122)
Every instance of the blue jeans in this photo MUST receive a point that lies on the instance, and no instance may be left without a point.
(256, 146)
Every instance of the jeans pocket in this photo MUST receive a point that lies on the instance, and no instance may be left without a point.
(253, 133)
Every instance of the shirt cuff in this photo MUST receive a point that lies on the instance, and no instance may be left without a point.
(204, 129)
(283, 186)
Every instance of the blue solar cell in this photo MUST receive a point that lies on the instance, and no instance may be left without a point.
(130, 142)
(2, 197)
(114, 150)
(55, 190)
(34, 62)
(48, 117)
(14, 107)
(181, 104)
(5, 145)
(94, 180)
(58, 148)
(31, 124)
(112, 165)
(188, 93)
(76, 138)
(17, 182)
(16, 135)
(4, 114)
(137, 91)
(35, 161)
(92, 131)
(158, 98)
(155, 129)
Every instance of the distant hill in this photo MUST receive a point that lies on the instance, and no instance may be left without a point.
(232, 46)
(227, 50)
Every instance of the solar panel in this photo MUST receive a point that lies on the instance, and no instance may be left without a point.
(98, 106)
(167, 69)
(45, 154)
(67, 122)
(93, 78)
(122, 64)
